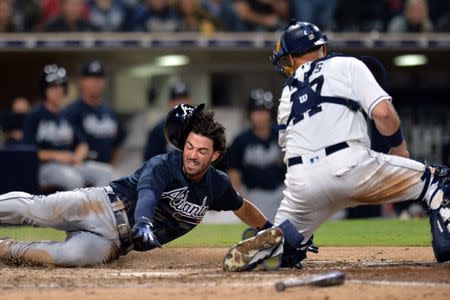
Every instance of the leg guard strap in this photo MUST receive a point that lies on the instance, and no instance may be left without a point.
(293, 253)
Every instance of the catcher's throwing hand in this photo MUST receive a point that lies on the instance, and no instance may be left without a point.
(143, 237)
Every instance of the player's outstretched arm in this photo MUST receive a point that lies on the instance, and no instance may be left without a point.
(251, 215)
(388, 123)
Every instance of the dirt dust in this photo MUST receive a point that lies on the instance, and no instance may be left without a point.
(196, 273)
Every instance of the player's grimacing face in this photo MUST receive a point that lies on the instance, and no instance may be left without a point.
(198, 153)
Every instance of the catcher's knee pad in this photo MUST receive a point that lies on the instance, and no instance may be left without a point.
(440, 214)
(293, 253)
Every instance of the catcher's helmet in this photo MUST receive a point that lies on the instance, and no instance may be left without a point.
(298, 38)
(52, 75)
(179, 123)
(260, 100)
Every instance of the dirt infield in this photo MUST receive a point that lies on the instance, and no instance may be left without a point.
(193, 273)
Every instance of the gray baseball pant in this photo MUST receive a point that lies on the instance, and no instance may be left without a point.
(85, 214)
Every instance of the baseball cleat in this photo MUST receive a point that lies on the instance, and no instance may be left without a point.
(247, 254)
(5, 249)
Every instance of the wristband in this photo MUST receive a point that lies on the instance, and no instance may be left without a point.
(266, 225)
(395, 139)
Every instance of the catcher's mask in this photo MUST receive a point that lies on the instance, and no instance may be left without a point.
(179, 123)
(298, 38)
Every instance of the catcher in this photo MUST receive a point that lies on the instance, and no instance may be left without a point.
(330, 166)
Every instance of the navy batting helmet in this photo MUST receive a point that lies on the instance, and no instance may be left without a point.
(179, 123)
(52, 75)
(260, 100)
(298, 38)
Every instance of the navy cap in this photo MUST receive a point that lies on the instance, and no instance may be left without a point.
(179, 90)
(93, 68)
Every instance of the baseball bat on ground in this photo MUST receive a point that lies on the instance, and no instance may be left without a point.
(322, 280)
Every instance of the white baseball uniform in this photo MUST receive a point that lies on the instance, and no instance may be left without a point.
(323, 183)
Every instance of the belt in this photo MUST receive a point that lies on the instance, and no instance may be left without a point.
(328, 150)
(123, 226)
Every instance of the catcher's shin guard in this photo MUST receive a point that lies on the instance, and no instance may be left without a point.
(440, 214)
(247, 254)
(293, 250)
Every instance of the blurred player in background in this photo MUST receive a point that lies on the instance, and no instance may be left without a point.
(62, 149)
(93, 118)
(12, 121)
(179, 93)
(255, 160)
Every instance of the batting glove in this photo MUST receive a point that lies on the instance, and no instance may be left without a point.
(143, 237)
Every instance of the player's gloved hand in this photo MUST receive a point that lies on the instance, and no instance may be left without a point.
(143, 237)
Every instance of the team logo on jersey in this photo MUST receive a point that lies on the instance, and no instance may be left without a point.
(261, 156)
(185, 211)
(104, 127)
(56, 133)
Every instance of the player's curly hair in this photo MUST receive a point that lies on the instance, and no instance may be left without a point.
(206, 125)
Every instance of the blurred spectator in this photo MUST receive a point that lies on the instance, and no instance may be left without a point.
(53, 8)
(443, 24)
(156, 142)
(360, 16)
(261, 15)
(213, 7)
(94, 119)
(12, 121)
(437, 9)
(256, 166)
(109, 15)
(194, 18)
(156, 16)
(27, 14)
(318, 12)
(6, 16)
(61, 149)
(20, 105)
(414, 18)
(70, 19)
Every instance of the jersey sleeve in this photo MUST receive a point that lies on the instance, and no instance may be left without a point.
(225, 196)
(72, 114)
(235, 154)
(366, 88)
(79, 135)
(155, 143)
(155, 176)
(120, 137)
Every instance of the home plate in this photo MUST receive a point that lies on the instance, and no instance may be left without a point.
(152, 274)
